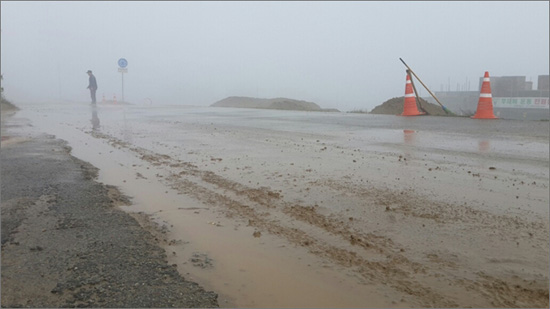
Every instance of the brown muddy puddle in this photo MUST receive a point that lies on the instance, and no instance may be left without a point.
(248, 269)
(224, 255)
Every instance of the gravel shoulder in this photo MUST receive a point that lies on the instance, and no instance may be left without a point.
(66, 244)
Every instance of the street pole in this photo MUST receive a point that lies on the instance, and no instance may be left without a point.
(122, 63)
(122, 86)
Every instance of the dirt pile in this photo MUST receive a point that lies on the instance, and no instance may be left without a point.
(276, 103)
(394, 106)
(7, 106)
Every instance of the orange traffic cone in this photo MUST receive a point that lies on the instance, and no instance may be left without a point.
(485, 103)
(114, 98)
(410, 108)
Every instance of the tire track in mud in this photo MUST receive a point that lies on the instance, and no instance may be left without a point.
(389, 272)
(410, 204)
(523, 293)
(512, 291)
(378, 259)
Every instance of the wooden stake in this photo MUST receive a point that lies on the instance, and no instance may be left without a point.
(416, 93)
(433, 95)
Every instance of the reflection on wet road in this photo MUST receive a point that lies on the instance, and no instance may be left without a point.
(95, 118)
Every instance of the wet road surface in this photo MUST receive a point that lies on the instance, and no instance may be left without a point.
(303, 209)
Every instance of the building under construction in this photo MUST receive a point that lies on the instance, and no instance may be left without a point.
(513, 98)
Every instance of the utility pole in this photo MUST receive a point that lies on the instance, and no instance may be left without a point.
(122, 73)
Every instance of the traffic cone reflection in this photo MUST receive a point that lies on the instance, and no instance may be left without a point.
(409, 136)
(409, 107)
(485, 103)
(484, 146)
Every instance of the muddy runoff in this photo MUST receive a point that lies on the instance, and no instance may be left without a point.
(294, 216)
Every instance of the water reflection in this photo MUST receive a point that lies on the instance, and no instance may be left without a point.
(95, 118)
(127, 130)
(484, 145)
(409, 136)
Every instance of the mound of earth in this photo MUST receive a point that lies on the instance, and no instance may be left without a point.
(277, 103)
(394, 106)
(8, 106)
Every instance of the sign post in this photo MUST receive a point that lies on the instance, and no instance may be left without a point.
(122, 63)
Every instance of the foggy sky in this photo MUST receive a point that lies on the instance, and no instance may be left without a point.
(341, 55)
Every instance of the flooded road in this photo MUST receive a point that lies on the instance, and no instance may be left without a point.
(303, 209)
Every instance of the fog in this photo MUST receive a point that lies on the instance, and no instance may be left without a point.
(341, 55)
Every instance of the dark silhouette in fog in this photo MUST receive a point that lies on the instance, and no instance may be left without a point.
(92, 85)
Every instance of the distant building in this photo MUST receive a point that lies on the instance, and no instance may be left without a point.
(543, 83)
(508, 86)
(513, 98)
(459, 102)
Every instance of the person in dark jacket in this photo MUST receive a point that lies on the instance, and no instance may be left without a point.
(92, 85)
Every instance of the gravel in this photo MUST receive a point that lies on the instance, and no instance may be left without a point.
(66, 244)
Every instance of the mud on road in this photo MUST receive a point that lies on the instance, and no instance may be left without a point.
(65, 243)
(291, 209)
(425, 252)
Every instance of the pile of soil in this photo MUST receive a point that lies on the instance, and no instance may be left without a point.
(394, 106)
(276, 103)
(7, 106)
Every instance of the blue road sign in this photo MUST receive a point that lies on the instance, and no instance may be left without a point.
(122, 62)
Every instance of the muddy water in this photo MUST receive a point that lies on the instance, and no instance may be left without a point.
(297, 209)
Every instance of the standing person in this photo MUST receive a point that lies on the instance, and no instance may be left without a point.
(92, 85)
